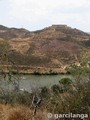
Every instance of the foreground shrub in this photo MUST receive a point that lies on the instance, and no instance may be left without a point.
(56, 89)
(76, 100)
(24, 98)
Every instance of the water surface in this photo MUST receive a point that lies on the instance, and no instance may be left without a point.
(29, 82)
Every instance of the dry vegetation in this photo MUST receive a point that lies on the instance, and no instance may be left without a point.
(66, 97)
(53, 48)
(56, 46)
(17, 112)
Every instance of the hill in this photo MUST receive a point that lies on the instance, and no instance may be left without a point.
(51, 49)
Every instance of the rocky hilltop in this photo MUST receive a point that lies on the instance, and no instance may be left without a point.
(51, 49)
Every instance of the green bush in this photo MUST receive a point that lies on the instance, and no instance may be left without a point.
(65, 81)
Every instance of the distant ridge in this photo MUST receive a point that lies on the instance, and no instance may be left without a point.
(3, 27)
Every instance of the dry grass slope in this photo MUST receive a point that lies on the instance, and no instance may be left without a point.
(57, 46)
(8, 112)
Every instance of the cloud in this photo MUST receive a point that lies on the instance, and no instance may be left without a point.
(51, 11)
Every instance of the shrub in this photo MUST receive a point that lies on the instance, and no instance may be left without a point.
(56, 89)
(44, 92)
(65, 81)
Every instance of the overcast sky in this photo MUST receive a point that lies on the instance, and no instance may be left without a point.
(37, 14)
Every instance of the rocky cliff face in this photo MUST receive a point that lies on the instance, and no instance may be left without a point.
(57, 46)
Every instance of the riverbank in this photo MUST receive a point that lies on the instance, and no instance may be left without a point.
(32, 70)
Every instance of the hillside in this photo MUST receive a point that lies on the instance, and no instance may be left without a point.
(51, 49)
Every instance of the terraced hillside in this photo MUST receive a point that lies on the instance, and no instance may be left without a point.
(51, 49)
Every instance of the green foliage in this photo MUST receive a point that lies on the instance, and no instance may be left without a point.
(78, 71)
(65, 81)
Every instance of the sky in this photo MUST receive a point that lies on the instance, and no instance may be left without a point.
(38, 14)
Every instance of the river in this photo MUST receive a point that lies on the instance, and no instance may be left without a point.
(29, 82)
